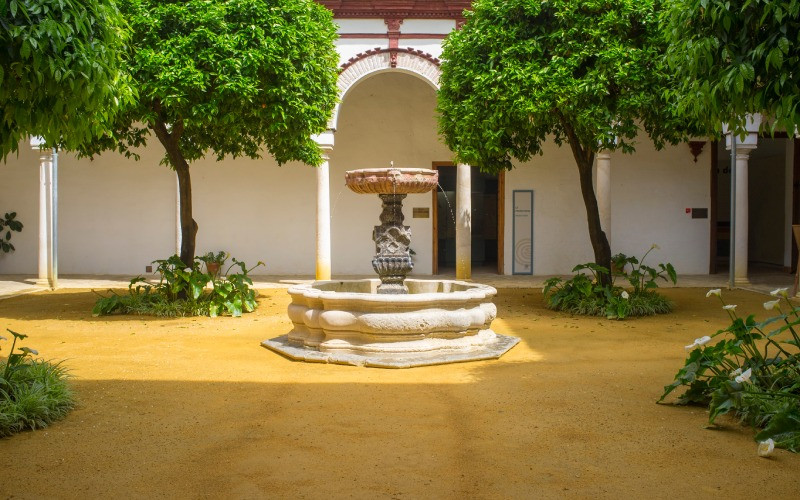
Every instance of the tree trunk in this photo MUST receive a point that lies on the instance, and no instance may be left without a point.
(170, 141)
(584, 158)
(188, 224)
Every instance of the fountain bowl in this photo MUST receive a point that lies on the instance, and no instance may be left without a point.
(348, 322)
(391, 180)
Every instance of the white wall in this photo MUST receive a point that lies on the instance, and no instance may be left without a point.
(649, 193)
(19, 192)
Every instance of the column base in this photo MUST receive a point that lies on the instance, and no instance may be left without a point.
(741, 281)
(42, 282)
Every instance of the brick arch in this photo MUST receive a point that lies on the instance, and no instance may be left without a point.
(378, 60)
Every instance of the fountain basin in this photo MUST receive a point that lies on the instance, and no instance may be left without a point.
(348, 322)
(391, 180)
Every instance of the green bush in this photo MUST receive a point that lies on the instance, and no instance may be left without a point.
(583, 294)
(33, 392)
(752, 374)
(182, 291)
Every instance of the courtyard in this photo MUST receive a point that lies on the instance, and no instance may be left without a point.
(195, 407)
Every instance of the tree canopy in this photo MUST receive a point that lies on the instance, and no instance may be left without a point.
(229, 78)
(735, 57)
(59, 70)
(588, 73)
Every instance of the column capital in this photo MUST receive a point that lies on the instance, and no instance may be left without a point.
(37, 142)
(325, 140)
(603, 155)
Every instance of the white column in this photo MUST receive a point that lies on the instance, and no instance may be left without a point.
(745, 143)
(463, 222)
(52, 267)
(603, 190)
(323, 263)
(742, 213)
(45, 169)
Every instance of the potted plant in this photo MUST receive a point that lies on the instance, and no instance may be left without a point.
(214, 262)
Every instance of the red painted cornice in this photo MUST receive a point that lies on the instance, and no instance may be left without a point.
(403, 9)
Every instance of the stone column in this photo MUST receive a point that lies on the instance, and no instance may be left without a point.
(45, 204)
(463, 222)
(742, 213)
(323, 263)
(745, 143)
(603, 188)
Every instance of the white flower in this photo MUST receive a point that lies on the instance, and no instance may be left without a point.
(3, 338)
(716, 291)
(765, 448)
(655, 247)
(779, 291)
(770, 305)
(698, 342)
(729, 307)
(28, 350)
(745, 376)
(625, 295)
(736, 372)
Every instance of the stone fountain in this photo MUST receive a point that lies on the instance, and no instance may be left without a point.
(392, 322)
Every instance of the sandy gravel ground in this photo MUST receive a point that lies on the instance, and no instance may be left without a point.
(196, 408)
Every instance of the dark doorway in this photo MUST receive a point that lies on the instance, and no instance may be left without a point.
(486, 225)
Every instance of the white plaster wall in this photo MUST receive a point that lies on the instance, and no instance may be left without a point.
(649, 193)
(431, 46)
(349, 47)
(257, 211)
(387, 117)
(360, 25)
(19, 192)
(431, 26)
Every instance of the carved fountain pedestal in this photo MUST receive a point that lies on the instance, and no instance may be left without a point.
(394, 322)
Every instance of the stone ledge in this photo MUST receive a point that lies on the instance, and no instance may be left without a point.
(494, 350)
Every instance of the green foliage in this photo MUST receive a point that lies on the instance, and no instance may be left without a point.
(181, 291)
(60, 74)
(228, 77)
(733, 58)
(8, 224)
(587, 295)
(586, 72)
(33, 392)
(753, 372)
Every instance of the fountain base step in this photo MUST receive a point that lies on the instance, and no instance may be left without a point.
(382, 359)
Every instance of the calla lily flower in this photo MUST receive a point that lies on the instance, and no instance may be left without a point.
(698, 342)
(765, 448)
(770, 305)
(625, 295)
(779, 292)
(745, 376)
(729, 307)
(28, 350)
(715, 291)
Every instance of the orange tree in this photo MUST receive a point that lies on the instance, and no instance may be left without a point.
(229, 78)
(588, 73)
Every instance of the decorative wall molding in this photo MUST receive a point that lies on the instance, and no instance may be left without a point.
(412, 9)
(378, 50)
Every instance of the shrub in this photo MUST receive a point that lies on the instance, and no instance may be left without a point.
(33, 392)
(584, 294)
(752, 374)
(181, 291)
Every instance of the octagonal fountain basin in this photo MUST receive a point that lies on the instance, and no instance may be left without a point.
(348, 322)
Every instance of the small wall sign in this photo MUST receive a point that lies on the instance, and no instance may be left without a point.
(421, 212)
